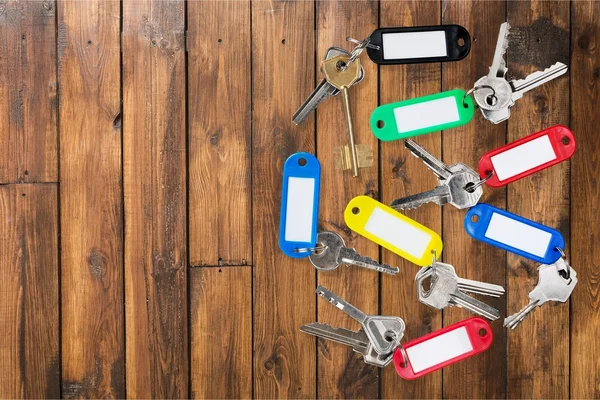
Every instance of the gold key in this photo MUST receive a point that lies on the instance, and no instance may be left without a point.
(341, 73)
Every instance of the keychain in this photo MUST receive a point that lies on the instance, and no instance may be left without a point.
(514, 233)
(392, 230)
(299, 205)
(461, 186)
(493, 94)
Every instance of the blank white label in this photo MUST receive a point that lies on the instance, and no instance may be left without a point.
(398, 46)
(300, 209)
(398, 233)
(426, 114)
(439, 349)
(518, 235)
(523, 158)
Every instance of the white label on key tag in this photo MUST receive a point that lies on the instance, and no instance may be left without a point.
(426, 114)
(399, 46)
(519, 235)
(299, 210)
(397, 232)
(523, 158)
(439, 349)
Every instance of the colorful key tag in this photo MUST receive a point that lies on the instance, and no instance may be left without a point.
(527, 156)
(419, 44)
(422, 115)
(443, 347)
(392, 230)
(514, 233)
(299, 205)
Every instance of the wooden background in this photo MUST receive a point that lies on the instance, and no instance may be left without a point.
(142, 146)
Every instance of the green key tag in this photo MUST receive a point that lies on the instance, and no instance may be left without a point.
(422, 115)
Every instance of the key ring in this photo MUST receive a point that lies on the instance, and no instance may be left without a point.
(481, 182)
(359, 49)
(310, 249)
(369, 45)
(476, 88)
(404, 356)
(564, 257)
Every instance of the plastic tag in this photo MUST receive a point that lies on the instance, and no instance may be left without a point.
(419, 44)
(422, 115)
(527, 156)
(299, 205)
(392, 230)
(443, 347)
(514, 233)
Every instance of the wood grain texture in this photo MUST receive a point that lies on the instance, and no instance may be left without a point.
(154, 161)
(219, 92)
(403, 175)
(28, 129)
(221, 332)
(91, 209)
(483, 376)
(585, 232)
(29, 309)
(538, 368)
(284, 298)
(342, 372)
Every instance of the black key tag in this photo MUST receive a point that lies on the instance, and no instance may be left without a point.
(419, 44)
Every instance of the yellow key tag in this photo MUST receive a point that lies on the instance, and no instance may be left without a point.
(392, 230)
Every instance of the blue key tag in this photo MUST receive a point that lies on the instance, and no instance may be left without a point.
(514, 233)
(299, 205)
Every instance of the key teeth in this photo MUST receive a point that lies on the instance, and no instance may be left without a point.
(385, 268)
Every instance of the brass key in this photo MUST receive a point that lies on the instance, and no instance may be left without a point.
(341, 73)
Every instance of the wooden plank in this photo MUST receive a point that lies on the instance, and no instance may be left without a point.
(154, 161)
(483, 376)
(91, 199)
(283, 72)
(28, 133)
(402, 174)
(219, 111)
(29, 292)
(585, 301)
(539, 37)
(221, 332)
(342, 372)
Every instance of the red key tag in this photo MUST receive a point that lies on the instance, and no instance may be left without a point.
(527, 156)
(443, 347)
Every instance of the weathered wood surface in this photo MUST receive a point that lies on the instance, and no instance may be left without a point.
(148, 138)
(154, 170)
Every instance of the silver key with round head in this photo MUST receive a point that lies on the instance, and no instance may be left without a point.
(443, 291)
(496, 100)
(555, 283)
(383, 332)
(323, 90)
(456, 183)
(357, 340)
(335, 253)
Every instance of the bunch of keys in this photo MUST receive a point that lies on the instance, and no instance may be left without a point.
(378, 340)
(493, 94)
(461, 186)
(342, 69)
(448, 289)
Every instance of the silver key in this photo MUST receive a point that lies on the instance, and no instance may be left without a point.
(472, 286)
(454, 183)
(444, 291)
(323, 90)
(335, 253)
(356, 339)
(495, 102)
(383, 332)
(555, 283)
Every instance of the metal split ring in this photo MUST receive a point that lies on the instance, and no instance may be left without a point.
(360, 43)
(310, 249)
(480, 183)
(564, 257)
(476, 88)
(404, 356)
